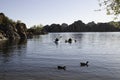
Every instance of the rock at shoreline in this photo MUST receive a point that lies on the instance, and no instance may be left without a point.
(22, 30)
(2, 36)
(10, 29)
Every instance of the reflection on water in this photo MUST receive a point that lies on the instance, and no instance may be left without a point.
(8, 48)
(38, 58)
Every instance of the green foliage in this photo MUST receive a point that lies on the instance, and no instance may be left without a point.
(112, 7)
(19, 21)
(115, 24)
(36, 29)
(4, 20)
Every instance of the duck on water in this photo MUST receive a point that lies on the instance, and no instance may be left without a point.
(82, 64)
(61, 67)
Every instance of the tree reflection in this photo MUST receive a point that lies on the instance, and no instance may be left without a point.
(8, 48)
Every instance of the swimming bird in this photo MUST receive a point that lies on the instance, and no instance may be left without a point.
(84, 64)
(75, 40)
(56, 39)
(61, 67)
(70, 40)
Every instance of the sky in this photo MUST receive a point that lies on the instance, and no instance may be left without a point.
(47, 12)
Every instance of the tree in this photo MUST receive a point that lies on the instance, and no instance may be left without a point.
(112, 7)
(19, 21)
(36, 29)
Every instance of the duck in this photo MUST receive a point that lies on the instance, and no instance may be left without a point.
(70, 40)
(75, 41)
(56, 40)
(66, 41)
(84, 64)
(61, 67)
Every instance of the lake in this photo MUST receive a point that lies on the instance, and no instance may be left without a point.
(38, 58)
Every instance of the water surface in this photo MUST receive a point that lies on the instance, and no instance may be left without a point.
(38, 58)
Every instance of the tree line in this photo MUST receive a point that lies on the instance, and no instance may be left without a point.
(79, 26)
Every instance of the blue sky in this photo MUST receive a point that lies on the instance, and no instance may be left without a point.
(34, 12)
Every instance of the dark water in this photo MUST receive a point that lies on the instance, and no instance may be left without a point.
(38, 58)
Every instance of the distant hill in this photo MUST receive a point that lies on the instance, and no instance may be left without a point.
(79, 26)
